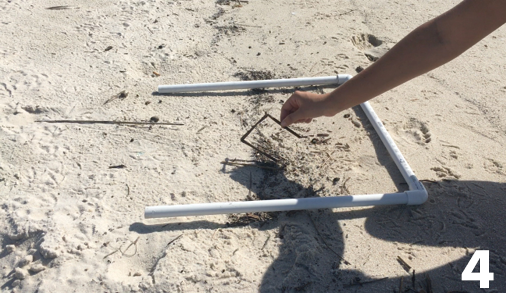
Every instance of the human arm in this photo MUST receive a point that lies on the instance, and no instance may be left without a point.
(427, 47)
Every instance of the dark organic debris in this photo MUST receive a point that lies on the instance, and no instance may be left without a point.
(254, 75)
(230, 29)
(217, 15)
(248, 218)
(228, 2)
(123, 94)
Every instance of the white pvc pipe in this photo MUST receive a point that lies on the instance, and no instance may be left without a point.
(275, 205)
(234, 85)
(416, 195)
(393, 150)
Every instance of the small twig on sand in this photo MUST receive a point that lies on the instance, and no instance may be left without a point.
(249, 165)
(172, 241)
(241, 160)
(152, 271)
(198, 131)
(122, 252)
(343, 186)
(107, 122)
(401, 284)
(266, 241)
(117, 167)
(111, 253)
(364, 282)
(243, 138)
(344, 13)
(404, 264)
(133, 243)
(215, 231)
(325, 242)
(62, 7)
(451, 146)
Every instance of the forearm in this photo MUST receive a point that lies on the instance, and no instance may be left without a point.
(417, 53)
(427, 47)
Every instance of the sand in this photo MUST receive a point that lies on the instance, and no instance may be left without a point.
(74, 224)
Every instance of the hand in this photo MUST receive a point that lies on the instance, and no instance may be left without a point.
(303, 107)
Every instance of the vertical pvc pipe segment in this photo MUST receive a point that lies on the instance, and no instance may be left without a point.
(416, 195)
(393, 150)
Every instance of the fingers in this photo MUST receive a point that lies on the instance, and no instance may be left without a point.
(290, 108)
(288, 120)
(291, 105)
(294, 111)
(284, 113)
(291, 119)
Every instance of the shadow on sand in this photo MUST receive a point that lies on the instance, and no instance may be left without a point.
(458, 214)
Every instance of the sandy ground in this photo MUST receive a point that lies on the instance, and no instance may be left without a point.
(71, 223)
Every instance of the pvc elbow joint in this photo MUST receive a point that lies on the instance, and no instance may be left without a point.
(417, 196)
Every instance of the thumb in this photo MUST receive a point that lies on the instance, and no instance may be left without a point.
(290, 119)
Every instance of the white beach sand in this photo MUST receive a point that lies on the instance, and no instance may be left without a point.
(73, 224)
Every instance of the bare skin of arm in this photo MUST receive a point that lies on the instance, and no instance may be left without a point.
(429, 46)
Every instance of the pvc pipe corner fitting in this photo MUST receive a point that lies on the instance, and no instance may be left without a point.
(417, 196)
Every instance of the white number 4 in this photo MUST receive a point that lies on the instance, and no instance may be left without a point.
(484, 276)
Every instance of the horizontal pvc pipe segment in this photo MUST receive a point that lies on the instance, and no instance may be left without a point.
(234, 85)
(275, 205)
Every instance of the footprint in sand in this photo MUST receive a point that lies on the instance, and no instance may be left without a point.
(493, 166)
(20, 82)
(370, 45)
(418, 131)
(445, 172)
(365, 41)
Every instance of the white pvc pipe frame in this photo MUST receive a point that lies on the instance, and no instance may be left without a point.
(414, 196)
